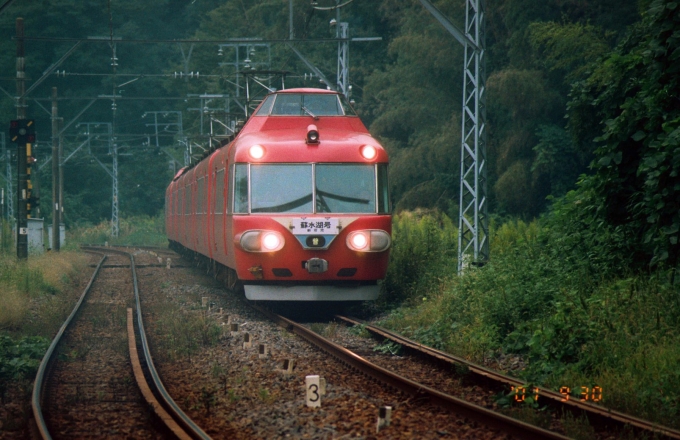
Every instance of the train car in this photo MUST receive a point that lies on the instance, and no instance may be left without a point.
(295, 207)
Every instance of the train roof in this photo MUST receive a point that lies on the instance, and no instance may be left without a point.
(307, 90)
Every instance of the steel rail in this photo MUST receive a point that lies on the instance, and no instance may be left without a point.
(466, 409)
(193, 430)
(596, 413)
(39, 384)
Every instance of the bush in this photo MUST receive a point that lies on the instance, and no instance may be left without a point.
(19, 359)
(423, 255)
(558, 295)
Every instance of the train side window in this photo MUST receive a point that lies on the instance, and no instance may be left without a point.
(383, 190)
(187, 199)
(241, 189)
(199, 201)
(219, 193)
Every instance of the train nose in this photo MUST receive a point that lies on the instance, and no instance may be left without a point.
(316, 265)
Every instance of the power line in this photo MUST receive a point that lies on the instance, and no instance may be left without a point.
(224, 41)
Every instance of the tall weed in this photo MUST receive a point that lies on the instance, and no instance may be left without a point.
(139, 230)
(423, 256)
(560, 299)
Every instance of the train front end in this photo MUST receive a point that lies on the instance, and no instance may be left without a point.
(310, 210)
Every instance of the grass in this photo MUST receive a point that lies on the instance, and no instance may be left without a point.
(138, 231)
(33, 292)
(571, 325)
(183, 331)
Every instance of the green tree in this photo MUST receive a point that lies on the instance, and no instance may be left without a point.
(633, 95)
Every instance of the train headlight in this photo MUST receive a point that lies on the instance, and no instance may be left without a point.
(358, 241)
(374, 240)
(256, 151)
(261, 241)
(369, 152)
(271, 241)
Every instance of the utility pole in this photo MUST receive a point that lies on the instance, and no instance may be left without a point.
(56, 159)
(60, 154)
(157, 124)
(113, 151)
(22, 177)
(7, 155)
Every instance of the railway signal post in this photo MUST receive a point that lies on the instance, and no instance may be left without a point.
(22, 131)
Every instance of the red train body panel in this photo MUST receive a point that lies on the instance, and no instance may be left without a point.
(296, 205)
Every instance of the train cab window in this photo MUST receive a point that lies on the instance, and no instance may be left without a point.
(311, 188)
(383, 190)
(301, 104)
(345, 188)
(281, 188)
(266, 106)
(241, 189)
(219, 194)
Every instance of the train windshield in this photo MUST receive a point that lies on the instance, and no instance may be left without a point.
(301, 104)
(313, 188)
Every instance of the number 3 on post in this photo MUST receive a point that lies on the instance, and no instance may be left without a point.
(313, 398)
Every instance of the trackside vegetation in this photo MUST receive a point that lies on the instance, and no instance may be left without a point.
(36, 295)
(545, 304)
(588, 295)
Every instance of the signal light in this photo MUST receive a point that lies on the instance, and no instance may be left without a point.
(256, 151)
(369, 152)
(312, 134)
(22, 131)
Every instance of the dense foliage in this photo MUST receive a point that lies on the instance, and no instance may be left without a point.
(588, 294)
(635, 93)
(407, 88)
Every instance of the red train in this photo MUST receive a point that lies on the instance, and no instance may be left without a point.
(296, 207)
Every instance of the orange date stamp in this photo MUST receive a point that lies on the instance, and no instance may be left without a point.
(593, 394)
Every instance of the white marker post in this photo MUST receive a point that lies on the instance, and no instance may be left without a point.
(262, 351)
(313, 394)
(168, 263)
(384, 417)
(247, 342)
(233, 328)
(287, 366)
(204, 302)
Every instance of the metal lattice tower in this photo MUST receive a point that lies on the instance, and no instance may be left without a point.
(473, 223)
(343, 58)
(473, 220)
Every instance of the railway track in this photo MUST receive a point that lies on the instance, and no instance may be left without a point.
(237, 394)
(97, 377)
(601, 418)
(423, 392)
